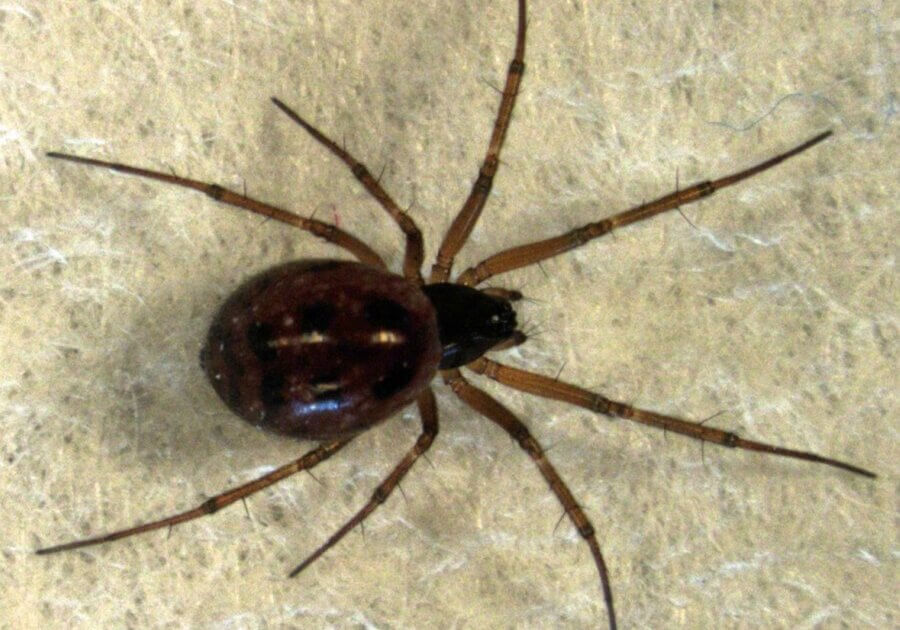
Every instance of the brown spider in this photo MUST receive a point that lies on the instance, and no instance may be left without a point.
(324, 350)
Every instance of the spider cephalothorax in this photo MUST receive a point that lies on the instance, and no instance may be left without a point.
(470, 322)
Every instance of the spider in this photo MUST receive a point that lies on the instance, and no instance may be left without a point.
(325, 349)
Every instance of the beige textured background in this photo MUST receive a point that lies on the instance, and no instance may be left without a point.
(779, 309)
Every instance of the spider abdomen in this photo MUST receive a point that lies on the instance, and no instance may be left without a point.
(318, 349)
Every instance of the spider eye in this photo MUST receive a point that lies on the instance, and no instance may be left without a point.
(501, 323)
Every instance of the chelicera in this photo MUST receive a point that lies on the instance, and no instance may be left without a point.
(325, 349)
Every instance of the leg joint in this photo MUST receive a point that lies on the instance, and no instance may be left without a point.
(484, 182)
(381, 494)
(603, 405)
(586, 530)
(581, 236)
(359, 170)
(216, 192)
(706, 188)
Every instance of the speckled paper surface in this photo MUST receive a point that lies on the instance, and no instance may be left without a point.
(778, 308)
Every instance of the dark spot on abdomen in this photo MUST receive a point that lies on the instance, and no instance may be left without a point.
(259, 336)
(398, 378)
(316, 317)
(386, 314)
(271, 389)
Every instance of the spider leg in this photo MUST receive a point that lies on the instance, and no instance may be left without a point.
(547, 387)
(497, 413)
(216, 503)
(412, 259)
(531, 253)
(325, 231)
(511, 295)
(468, 215)
(516, 339)
(428, 412)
